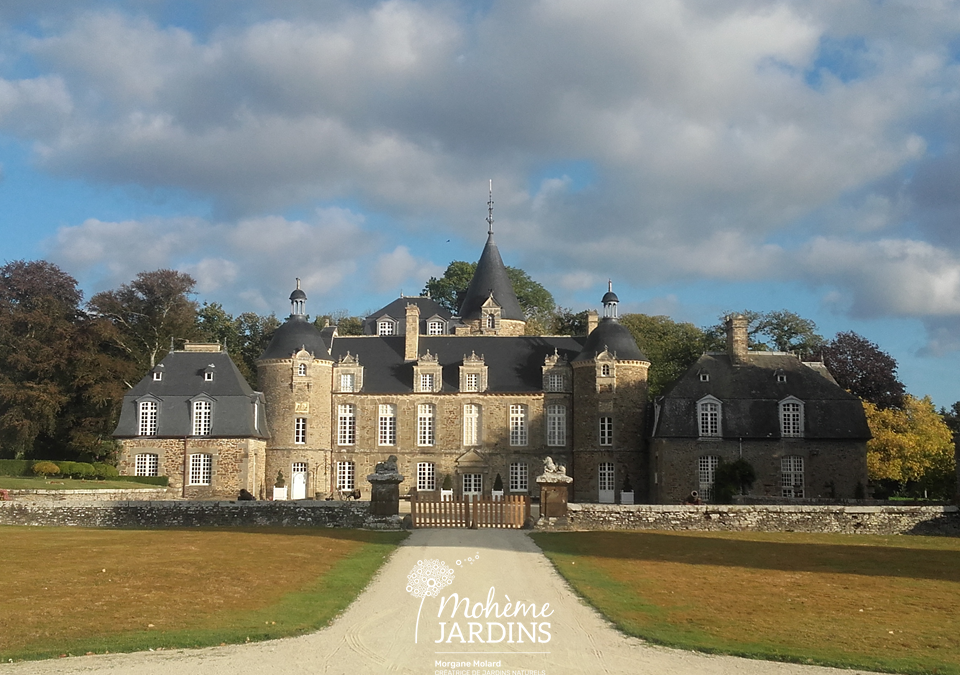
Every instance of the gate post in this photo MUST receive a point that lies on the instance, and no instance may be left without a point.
(554, 489)
(385, 488)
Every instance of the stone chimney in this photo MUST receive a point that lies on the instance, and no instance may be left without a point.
(411, 345)
(737, 338)
(593, 320)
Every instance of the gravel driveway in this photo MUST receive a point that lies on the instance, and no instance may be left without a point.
(552, 632)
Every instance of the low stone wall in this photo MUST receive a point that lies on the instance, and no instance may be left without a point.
(151, 514)
(90, 496)
(932, 520)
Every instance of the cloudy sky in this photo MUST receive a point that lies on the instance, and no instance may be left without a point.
(705, 156)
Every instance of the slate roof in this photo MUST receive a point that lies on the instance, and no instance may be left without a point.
(398, 310)
(514, 364)
(610, 334)
(750, 394)
(182, 381)
(295, 334)
(491, 276)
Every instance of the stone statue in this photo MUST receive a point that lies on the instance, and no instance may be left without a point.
(550, 468)
(389, 465)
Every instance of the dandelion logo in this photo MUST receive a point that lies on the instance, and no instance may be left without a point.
(428, 577)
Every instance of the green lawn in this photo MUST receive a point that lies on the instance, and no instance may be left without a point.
(31, 483)
(200, 588)
(855, 601)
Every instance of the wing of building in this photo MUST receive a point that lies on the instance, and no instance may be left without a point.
(468, 402)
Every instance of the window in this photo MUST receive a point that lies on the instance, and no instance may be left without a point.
(518, 477)
(202, 418)
(518, 425)
(791, 419)
(148, 418)
(791, 477)
(708, 476)
(709, 414)
(146, 465)
(606, 431)
(200, 466)
(605, 370)
(302, 370)
(435, 328)
(781, 377)
(491, 321)
(346, 471)
(556, 425)
(704, 377)
(471, 382)
(346, 424)
(425, 424)
(606, 474)
(157, 376)
(426, 476)
(300, 431)
(471, 424)
(554, 382)
(426, 381)
(208, 376)
(387, 425)
(346, 382)
(386, 328)
(472, 483)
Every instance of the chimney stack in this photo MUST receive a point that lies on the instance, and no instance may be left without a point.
(737, 339)
(411, 344)
(593, 319)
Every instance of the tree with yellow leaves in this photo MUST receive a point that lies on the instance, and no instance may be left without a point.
(911, 447)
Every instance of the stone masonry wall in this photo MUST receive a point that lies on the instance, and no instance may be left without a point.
(927, 520)
(151, 514)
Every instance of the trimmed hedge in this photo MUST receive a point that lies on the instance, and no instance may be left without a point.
(16, 467)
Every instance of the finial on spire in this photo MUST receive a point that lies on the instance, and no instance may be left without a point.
(490, 210)
(609, 285)
(298, 283)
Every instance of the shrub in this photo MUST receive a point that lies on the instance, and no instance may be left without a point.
(45, 469)
(66, 468)
(447, 482)
(16, 467)
(733, 478)
(498, 483)
(103, 471)
(280, 482)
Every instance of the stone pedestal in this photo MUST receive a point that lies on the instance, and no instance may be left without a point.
(385, 488)
(554, 490)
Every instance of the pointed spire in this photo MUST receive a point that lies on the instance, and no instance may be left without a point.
(490, 211)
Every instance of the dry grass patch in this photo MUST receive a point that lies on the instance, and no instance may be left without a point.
(84, 590)
(884, 603)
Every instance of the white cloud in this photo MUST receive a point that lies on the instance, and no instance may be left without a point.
(399, 271)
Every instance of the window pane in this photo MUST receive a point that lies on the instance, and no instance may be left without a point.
(387, 425)
(426, 476)
(148, 418)
(518, 425)
(300, 431)
(471, 424)
(708, 472)
(605, 476)
(202, 418)
(346, 425)
(345, 475)
(556, 425)
(146, 465)
(518, 477)
(346, 382)
(200, 469)
(606, 431)
(709, 419)
(425, 424)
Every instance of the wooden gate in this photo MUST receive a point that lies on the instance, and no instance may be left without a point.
(507, 512)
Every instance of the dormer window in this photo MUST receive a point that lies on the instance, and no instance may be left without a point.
(427, 374)
(348, 375)
(605, 370)
(708, 417)
(157, 376)
(347, 382)
(791, 418)
(435, 328)
(208, 376)
(426, 381)
(554, 382)
(491, 321)
(386, 327)
(704, 377)
(781, 376)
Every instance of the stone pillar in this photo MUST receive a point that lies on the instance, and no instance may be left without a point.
(737, 338)
(411, 344)
(385, 488)
(554, 490)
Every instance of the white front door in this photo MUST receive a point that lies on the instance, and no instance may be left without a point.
(298, 488)
(606, 476)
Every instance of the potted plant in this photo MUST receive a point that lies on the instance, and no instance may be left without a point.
(626, 491)
(497, 488)
(279, 487)
(446, 488)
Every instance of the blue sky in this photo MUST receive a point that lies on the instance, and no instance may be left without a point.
(707, 157)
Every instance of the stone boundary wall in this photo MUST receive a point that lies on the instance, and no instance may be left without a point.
(90, 496)
(928, 520)
(157, 514)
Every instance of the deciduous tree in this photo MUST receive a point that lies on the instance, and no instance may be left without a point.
(862, 368)
(671, 347)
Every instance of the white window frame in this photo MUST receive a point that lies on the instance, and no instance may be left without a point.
(426, 435)
(605, 370)
(518, 425)
(157, 376)
(300, 431)
(709, 416)
(387, 424)
(605, 431)
(386, 327)
(302, 370)
(202, 418)
(491, 322)
(471, 382)
(555, 382)
(472, 483)
(707, 476)
(606, 482)
(427, 381)
(201, 469)
(426, 476)
(208, 376)
(791, 418)
(519, 477)
(435, 328)
(346, 424)
(471, 424)
(346, 475)
(556, 425)
(146, 464)
(348, 382)
(791, 477)
(148, 417)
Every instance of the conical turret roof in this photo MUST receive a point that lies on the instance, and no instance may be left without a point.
(491, 278)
